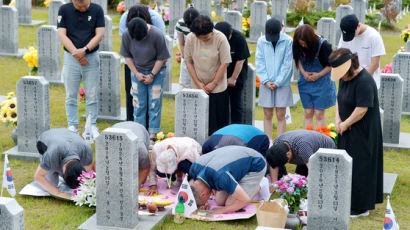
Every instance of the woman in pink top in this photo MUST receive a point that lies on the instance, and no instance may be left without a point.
(172, 157)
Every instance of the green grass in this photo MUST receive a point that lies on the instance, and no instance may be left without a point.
(48, 213)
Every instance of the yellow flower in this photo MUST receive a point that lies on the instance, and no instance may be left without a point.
(4, 115)
(12, 115)
(331, 126)
(47, 2)
(213, 14)
(333, 134)
(160, 136)
(4, 104)
(13, 3)
(11, 94)
(12, 104)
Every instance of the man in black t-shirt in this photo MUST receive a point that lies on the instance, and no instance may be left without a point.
(80, 29)
(237, 69)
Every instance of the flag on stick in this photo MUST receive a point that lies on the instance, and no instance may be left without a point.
(187, 196)
(390, 222)
(7, 178)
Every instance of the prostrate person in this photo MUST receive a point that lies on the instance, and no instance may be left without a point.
(274, 66)
(62, 153)
(80, 29)
(237, 71)
(143, 144)
(234, 172)
(296, 147)
(173, 158)
(365, 41)
(237, 134)
(182, 28)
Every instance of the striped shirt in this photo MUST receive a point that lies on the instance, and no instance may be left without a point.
(181, 27)
(304, 143)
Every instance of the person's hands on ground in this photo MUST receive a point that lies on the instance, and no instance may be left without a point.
(65, 195)
(231, 82)
(217, 211)
(204, 207)
(151, 191)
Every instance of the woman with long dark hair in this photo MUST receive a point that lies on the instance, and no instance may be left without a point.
(317, 92)
(359, 127)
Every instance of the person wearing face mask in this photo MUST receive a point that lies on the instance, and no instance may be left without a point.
(317, 92)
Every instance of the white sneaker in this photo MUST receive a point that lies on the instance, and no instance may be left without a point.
(94, 132)
(73, 129)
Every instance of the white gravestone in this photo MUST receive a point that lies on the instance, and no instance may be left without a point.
(9, 32)
(53, 8)
(401, 66)
(109, 93)
(11, 214)
(235, 19)
(168, 77)
(203, 6)
(33, 115)
(218, 8)
(359, 9)
(176, 11)
(130, 3)
(106, 43)
(24, 11)
(330, 182)
(102, 3)
(279, 9)
(341, 11)
(327, 28)
(248, 97)
(324, 4)
(408, 46)
(192, 114)
(49, 54)
(391, 96)
(258, 20)
(240, 4)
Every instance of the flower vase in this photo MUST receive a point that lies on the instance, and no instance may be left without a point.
(292, 222)
(14, 136)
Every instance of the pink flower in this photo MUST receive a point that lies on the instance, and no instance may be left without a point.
(75, 192)
(287, 178)
(282, 188)
(299, 184)
(166, 15)
(295, 180)
(279, 182)
(290, 190)
(286, 185)
(387, 68)
(235, 7)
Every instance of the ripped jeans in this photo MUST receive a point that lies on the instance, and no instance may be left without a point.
(148, 97)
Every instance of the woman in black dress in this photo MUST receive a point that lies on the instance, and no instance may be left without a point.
(359, 127)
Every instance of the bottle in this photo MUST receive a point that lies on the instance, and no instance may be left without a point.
(179, 211)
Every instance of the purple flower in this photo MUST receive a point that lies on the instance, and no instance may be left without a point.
(282, 188)
(290, 190)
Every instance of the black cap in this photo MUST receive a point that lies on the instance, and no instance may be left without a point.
(224, 27)
(272, 29)
(348, 25)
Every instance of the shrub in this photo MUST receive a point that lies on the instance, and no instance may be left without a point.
(390, 10)
(293, 18)
(342, 2)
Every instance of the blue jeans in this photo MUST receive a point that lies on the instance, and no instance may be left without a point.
(73, 72)
(148, 97)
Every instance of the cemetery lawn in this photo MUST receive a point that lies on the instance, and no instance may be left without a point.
(49, 213)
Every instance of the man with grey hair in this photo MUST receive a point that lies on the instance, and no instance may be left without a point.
(234, 172)
(81, 28)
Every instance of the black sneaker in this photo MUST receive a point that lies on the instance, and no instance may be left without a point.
(358, 213)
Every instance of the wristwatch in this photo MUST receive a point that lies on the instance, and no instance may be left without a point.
(86, 50)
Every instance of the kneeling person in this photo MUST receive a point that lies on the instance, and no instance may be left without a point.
(143, 144)
(233, 171)
(172, 157)
(296, 147)
(62, 153)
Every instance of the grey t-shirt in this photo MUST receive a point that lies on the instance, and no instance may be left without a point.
(63, 145)
(147, 51)
(304, 143)
(143, 141)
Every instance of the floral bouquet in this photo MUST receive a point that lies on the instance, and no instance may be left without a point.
(81, 92)
(165, 16)
(246, 26)
(85, 194)
(161, 136)
(388, 68)
(293, 189)
(31, 57)
(329, 131)
(405, 35)
(8, 110)
(121, 7)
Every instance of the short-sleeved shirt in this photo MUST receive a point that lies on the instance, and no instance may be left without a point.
(181, 27)
(223, 168)
(239, 51)
(147, 51)
(237, 134)
(156, 20)
(208, 57)
(63, 145)
(80, 26)
(304, 143)
(367, 45)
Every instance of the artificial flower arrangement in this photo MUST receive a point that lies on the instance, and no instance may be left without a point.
(8, 110)
(405, 35)
(85, 194)
(161, 136)
(246, 26)
(388, 68)
(31, 57)
(81, 93)
(47, 3)
(178, 57)
(121, 7)
(293, 188)
(165, 16)
(329, 131)
(257, 85)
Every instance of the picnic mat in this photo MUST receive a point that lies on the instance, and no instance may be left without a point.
(171, 195)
